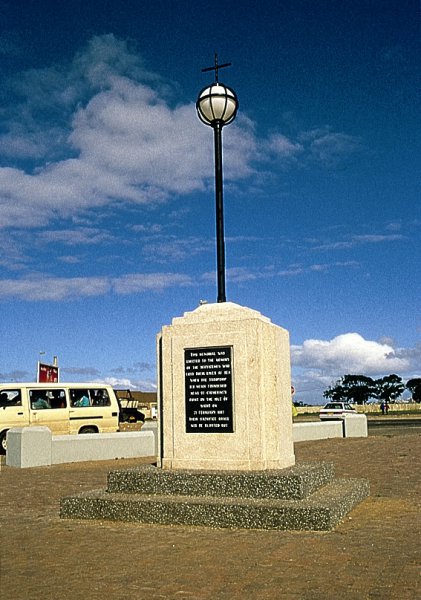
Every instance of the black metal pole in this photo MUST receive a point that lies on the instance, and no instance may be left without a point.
(220, 242)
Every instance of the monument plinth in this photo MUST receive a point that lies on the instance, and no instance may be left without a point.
(224, 391)
(226, 455)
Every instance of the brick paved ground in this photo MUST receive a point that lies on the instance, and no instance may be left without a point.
(373, 554)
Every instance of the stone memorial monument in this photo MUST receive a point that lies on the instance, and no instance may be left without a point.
(226, 456)
(224, 391)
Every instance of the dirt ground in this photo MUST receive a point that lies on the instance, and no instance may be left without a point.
(372, 554)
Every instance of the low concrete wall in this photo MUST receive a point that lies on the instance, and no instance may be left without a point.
(355, 426)
(28, 447)
(36, 446)
(350, 426)
(303, 432)
(152, 425)
(411, 407)
(102, 446)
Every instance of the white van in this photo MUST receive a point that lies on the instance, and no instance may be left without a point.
(65, 408)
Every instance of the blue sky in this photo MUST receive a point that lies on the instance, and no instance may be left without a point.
(107, 192)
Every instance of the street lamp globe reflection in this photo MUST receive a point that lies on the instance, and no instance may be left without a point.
(217, 106)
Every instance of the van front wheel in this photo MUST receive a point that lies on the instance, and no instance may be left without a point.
(88, 430)
(3, 443)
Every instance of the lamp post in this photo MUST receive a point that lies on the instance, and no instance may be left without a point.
(217, 106)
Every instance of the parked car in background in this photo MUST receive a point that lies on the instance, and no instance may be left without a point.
(336, 410)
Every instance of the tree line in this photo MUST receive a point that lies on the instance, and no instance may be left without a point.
(360, 388)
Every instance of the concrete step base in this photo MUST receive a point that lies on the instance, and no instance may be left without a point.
(294, 483)
(321, 510)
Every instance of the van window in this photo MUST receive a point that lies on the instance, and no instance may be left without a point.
(100, 397)
(47, 398)
(10, 398)
(89, 397)
(79, 397)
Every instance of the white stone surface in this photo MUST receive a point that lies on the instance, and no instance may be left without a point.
(102, 446)
(36, 446)
(303, 432)
(28, 447)
(355, 426)
(261, 378)
(152, 426)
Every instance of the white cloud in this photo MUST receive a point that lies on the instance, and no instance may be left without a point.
(239, 274)
(76, 237)
(134, 369)
(376, 239)
(11, 254)
(348, 353)
(298, 269)
(162, 249)
(131, 133)
(18, 143)
(53, 288)
(85, 372)
(120, 382)
(360, 240)
(243, 274)
(103, 129)
(332, 147)
(38, 288)
(129, 384)
(320, 146)
(118, 137)
(317, 364)
(138, 283)
(282, 146)
(121, 378)
(327, 147)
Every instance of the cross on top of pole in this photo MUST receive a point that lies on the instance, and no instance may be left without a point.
(216, 67)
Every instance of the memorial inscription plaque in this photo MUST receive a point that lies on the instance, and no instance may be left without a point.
(208, 384)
